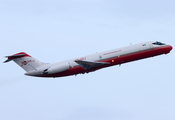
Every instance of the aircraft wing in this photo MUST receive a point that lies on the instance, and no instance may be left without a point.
(87, 65)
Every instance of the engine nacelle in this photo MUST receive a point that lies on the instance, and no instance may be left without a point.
(57, 68)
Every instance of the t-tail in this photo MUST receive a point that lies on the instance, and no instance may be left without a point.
(25, 61)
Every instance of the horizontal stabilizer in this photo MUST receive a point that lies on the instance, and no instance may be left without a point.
(87, 65)
(9, 58)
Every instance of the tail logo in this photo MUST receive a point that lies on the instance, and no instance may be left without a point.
(25, 62)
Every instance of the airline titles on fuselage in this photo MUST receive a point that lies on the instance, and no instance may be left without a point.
(112, 52)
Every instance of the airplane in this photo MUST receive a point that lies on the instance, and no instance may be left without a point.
(89, 63)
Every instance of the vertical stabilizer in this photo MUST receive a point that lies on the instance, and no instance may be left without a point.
(25, 61)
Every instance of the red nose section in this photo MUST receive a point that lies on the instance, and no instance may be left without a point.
(171, 48)
(168, 48)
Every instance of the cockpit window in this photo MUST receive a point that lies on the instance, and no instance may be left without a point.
(158, 43)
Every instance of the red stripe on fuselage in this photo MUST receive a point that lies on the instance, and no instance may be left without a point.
(116, 60)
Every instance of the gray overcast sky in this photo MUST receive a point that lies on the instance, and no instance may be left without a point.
(55, 30)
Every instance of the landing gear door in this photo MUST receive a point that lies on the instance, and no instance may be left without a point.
(151, 47)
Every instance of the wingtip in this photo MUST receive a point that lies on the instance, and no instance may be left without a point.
(8, 60)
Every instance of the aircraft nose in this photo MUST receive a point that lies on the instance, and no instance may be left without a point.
(169, 48)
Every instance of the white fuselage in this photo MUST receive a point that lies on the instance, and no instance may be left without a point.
(113, 57)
